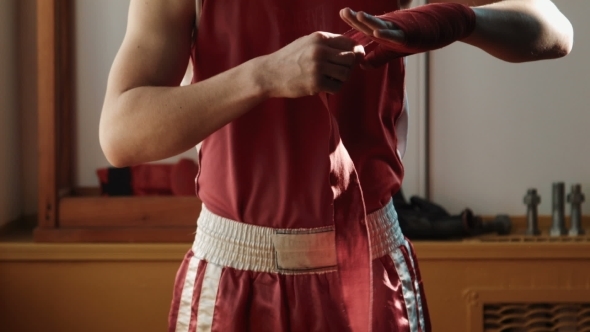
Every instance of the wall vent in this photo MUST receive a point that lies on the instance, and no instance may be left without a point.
(540, 238)
(537, 317)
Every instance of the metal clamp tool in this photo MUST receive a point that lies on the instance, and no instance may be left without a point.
(576, 198)
(532, 200)
(558, 225)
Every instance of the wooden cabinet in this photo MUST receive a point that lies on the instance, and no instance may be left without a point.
(68, 213)
(518, 285)
(471, 286)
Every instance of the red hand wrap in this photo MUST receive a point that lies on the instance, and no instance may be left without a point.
(426, 28)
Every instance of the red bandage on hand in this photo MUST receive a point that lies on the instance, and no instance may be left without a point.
(426, 28)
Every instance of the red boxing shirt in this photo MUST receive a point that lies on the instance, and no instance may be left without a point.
(272, 166)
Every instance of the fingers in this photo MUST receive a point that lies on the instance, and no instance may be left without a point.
(346, 59)
(362, 21)
(329, 85)
(337, 72)
(339, 42)
(333, 57)
(393, 36)
(337, 65)
(373, 22)
(350, 17)
(372, 26)
(336, 55)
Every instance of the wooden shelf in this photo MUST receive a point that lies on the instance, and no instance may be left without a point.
(90, 252)
(141, 212)
(17, 249)
(123, 219)
(116, 234)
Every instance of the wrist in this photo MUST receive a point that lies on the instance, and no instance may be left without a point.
(433, 26)
(261, 77)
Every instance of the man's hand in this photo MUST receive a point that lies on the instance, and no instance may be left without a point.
(319, 62)
(380, 30)
(405, 32)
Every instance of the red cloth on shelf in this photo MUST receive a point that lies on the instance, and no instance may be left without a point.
(153, 179)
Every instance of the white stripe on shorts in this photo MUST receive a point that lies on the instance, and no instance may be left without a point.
(416, 287)
(405, 278)
(208, 297)
(186, 299)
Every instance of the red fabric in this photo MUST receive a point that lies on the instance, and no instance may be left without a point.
(261, 302)
(352, 240)
(180, 174)
(426, 28)
(103, 177)
(159, 179)
(290, 163)
(151, 179)
(265, 166)
(147, 179)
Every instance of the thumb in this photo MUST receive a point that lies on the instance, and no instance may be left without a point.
(341, 42)
(359, 52)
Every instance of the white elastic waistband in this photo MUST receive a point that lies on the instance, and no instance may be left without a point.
(243, 246)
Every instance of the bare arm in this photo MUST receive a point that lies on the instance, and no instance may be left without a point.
(146, 116)
(521, 30)
(511, 30)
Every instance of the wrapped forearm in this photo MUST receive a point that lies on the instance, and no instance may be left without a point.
(425, 28)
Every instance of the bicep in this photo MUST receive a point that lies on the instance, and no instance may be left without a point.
(156, 47)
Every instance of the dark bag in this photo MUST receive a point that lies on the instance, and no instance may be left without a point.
(421, 219)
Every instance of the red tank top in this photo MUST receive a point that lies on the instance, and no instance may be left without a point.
(296, 163)
(272, 166)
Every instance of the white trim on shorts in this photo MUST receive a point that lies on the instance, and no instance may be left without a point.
(243, 246)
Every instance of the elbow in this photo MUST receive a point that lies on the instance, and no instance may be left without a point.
(548, 36)
(112, 152)
(561, 46)
(546, 46)
(111, 147)
(559, 36)
(564, 32)
(116, 160)
(114, 137)
(561, 50)
(567, 40)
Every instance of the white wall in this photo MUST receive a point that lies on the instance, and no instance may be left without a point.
(100, 28)
(10, 184)
(499, 128)
(415, 159)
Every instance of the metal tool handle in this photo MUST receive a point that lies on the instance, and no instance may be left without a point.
(558, 224)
